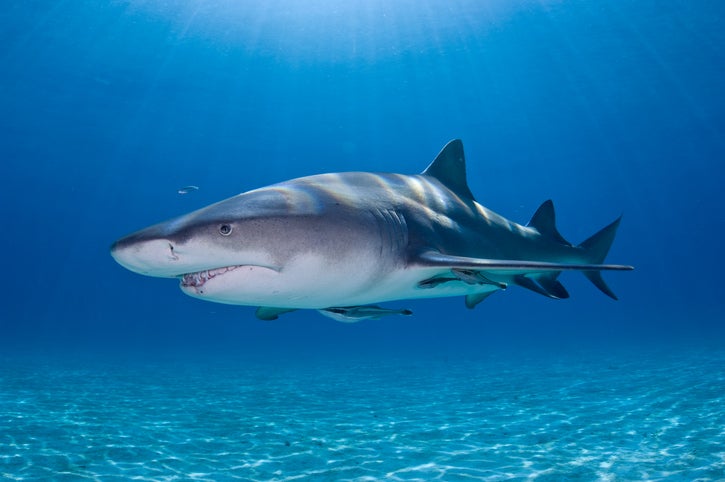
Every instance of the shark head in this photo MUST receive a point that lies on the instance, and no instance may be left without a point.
(217, 236)
(291, 241)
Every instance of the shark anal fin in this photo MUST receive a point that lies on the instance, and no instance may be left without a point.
(352, 314)
(553, 287)
(530, 284)
(268, 313)
(550, 288)
(476, 298)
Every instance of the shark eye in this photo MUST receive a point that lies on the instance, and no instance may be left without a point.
(225, 229)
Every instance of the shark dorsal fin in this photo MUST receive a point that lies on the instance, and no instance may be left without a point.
(449, 167)
(544, 220)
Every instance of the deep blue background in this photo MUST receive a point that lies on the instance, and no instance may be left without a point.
(605, 107)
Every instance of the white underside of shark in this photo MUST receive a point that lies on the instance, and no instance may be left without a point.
(342, 243)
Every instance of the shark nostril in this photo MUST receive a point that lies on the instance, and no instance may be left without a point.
(173, 254)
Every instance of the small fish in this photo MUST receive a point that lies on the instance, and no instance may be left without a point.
(188, 189)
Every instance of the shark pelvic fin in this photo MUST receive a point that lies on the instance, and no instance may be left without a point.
(596, 248)
(449, 167)
(544, 221)
(474, 299)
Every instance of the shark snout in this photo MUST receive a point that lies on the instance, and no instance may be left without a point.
(148, 252)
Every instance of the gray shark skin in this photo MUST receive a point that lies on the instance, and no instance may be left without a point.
(341, 243)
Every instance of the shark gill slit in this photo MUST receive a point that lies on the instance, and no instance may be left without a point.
(393, 230)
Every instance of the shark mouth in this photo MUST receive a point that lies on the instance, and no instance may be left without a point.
(201, 277)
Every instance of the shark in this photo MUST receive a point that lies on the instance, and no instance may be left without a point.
(344, 243)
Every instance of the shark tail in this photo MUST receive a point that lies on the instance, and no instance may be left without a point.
(596, 248)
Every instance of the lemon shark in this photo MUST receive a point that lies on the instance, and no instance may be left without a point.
(342, 243)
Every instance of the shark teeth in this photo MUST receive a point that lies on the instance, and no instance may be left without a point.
(199, 278)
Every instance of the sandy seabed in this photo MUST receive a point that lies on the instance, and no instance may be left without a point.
(561, 418)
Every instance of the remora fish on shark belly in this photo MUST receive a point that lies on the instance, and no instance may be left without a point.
(341, 243)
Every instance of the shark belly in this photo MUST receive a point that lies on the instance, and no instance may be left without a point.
(306, 282)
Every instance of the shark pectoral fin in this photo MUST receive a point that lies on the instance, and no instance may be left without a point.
(353, 314)
(435, 259)
(474, 299)
(268, 313)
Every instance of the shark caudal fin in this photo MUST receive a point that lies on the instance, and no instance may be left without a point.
(596, 248)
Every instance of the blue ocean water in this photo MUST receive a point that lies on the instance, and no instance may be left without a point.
(109, 108)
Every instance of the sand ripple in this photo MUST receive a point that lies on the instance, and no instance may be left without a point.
(574, 419)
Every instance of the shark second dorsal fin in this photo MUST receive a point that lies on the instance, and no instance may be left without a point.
(544, 221)
(449, 167)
